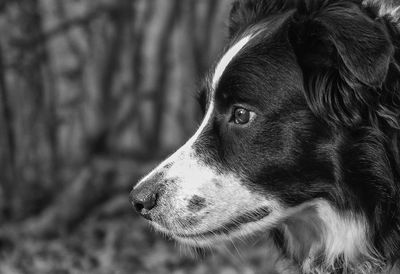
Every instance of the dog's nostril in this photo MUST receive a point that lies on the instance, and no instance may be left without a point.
(143, 201)
(138, 207)
(148, 202)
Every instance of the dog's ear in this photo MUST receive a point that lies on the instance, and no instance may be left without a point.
(344, 56)
(244, 13)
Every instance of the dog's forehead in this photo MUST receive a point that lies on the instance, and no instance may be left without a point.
(234, 51)
(260, 59)
(260, 76)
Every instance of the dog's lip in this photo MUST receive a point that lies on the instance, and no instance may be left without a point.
(232, 225)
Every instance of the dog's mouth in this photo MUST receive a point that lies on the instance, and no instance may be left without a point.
(224, 229)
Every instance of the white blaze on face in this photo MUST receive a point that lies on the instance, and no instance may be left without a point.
(227, 58)
(219, 70)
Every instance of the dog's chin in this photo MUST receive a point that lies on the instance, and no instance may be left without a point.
(206, 239)
(226, 233)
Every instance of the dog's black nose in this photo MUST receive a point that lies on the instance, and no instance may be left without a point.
(146, 202)
(145, 197)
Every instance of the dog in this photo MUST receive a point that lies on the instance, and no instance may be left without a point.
(300, 139)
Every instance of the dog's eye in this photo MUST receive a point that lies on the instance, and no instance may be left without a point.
(241, 116)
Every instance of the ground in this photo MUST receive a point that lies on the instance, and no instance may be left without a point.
(115, 240)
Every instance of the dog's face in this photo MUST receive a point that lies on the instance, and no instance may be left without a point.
(246, 162)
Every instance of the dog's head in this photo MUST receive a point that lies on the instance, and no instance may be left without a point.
(287, 112)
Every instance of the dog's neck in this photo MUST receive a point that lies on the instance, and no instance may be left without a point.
(321, 240)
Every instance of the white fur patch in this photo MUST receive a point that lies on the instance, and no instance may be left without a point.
(336, 236)
(342, 234)
(227, 58)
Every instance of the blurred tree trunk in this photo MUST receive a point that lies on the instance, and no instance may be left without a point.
(33, 114)
(8, 149)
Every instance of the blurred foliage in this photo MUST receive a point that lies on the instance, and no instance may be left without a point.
(92, 95)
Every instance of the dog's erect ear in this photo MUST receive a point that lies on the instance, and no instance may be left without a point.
(345, 57)
(244, 13)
